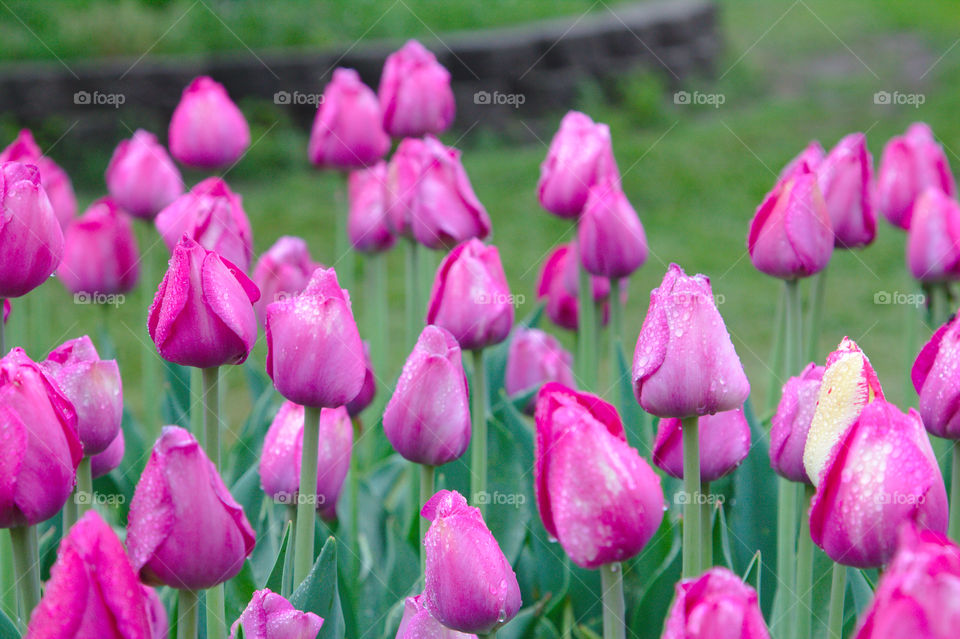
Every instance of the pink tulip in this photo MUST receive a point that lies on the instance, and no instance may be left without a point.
(31, 242)
(558, 285)
(580, 156)
(203, 314)
(314, 352)
(102, 463)
(40, 450)
(156, 614)
(934, 373)
(595, 494)
(280, 461)
(909, 165)
(347, 132)
(469, 585)
(534, 359)
(805, 162)
(791, 234)
(367, 221)
(369, 389)
(100, 254)
(270, 616)
(415, 94)
(213, 215)
(791, 423)
(684, 363)
(845, 178)
(207, 129)
(53, 179)
(713, 606)
(933, 240)
(92, 591)
(185, 530)
(282, 272)
(880, 474)
(142, 177)
(94, 388)
(724, 443)
(418, 623)
(428, 417)
(610, 237)
(470, 296)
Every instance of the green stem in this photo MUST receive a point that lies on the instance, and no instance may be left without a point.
(377, 330)
(3, 336)
(776, 355)
(70, 511)
(150, 362)
(611, 581)
(426, 492)
(84, 487)
(197, 406)
(816, 315)
(414, 310)
(786, 557)
(939, 305)
(478, 459)
(353, 478)
(26, 567)
(211, 414)
(286, 586)
(706, 527)
(307, 496)
(187, 614)
(692, 537)
(954, 529)
(793, 329)
(8, 598)
(216, 612)
(838, 589)
(586, 332)
(345, 258)
(804, 567)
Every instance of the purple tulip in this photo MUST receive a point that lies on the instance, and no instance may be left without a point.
(270, 616)
(185, 530)
(909, 165)
(724, 443)
(203, 314)
(713, 606)
(933, 240)
(40, 450)
(142, 177)
(791, 423)
(805, 162)
(367, 220)
(100, 254)
(53, 179)
(469, 585)
(102, 463)
(282, 272)
(369, 389)
(684, 363)
(934, 373)
(31, 242)
(609, 235)
(845, 178)
(314, 352)
(558, 285)
(595, 494)
(418, 623)
(470, 296)
(428, 417)
(415, 94)
(92, 591)
(207, 129)
(347, 132)
(534, 359)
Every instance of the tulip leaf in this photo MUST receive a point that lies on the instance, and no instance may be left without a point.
(176, 400)
(237, 593)
(7, 629)
(751, 576)
(860, 587)
(278, 574)
(510, 498)
(523, 625)
(320, 595)
(495, 357)
(721, 536)
(636, 422)
(650, 580)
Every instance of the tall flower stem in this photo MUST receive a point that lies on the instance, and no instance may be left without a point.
(8, 592)
(3, 336)
(377, 330)
(804, 587)
(611, 582)
(84, 494)
(307, 496)
(816, 315)
(286, 588)
(414, 307)
(776, 355)
(706, 527)
(187, 614)
(26, 567)
(692, 537)
(426, 492)
(478, 444)
(353, 478)
(216, 611)
(616, 337)
(838, 589)
(149, 361)
(345, 258)
(197, 410)
(586, 333)
(954, 529)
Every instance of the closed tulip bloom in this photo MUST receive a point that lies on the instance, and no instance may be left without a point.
(845, 178)
(934, 373)
(347, 131)
(791, 423)
(418, 623)
(31, 242)
(415, 94)
(684, 363)
(213, 215)
(207, 129)
(104, 462)
(53, 179)
(558, 286)
(314, 351)
(791, 234)
(141, 176)
(100, 254)
(270, 616)
(156, 614)
(534, 359)
(367, 219)
(880, 474)
(185, 530)
(580, 156)
(92, 591)
(427, 420)
(469, 585)
(40, 448)
(716, 605)
(595, 494)
(203, 314)
(724, 443)
(610, 237)
(369, 389)
(94, 388)
(470, 296)
(933, 240)
(805, 161)
(909, 165)
(282, 272)
(280, 461)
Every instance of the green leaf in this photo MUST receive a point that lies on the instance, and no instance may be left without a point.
(658, 573)
(636, 422)
(275, 580)
(320, 595)
(7, 629)
(721, 537)
(751, 576)
(237, 593)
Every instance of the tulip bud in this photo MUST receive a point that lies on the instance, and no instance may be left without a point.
(469, 585)
(314, 352)
(347, 131)
(558, 284)
(100, 254)
(283, 444)
(156, 614)
(684, 363)
(185, 530)
(54, 180)
(418, 623)
(31, 242)
(716, 604)
(724, 443)
(845, 178)
(580, 156)
(415, 94)
(369, 389)
(791, 234)
(141, 176)
(213, 215)
(933, 240)
(39, 448)
(934, 373)
(92, 591)
(880, 474)
(109, 459)
(805, 162)
(595, 494)
(282, 272)
(791, 423)
(470, 296)
(428, 417)
(610, 237)
(909, 165)
(534, 359)
(270, 616)
(849, 383)
(207, 129)
(367, 220)
(94, 388)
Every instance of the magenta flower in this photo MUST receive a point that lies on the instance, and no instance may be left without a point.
(933, 240)
(724, 443)
(367, 220)
(54, 180)
(415, 94)
(716, 604)
(347, 131)
(558, 285)
(282, 272)
(270, 616)
(791, 423)
(369, 389)
(909, 165)
(207, 129)
(100, 254)
(110, 458)
(534, 359)
(933, 375)
(141, 176)
(805, 162)
(609, 235)
(845, 178)
(418, 623)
